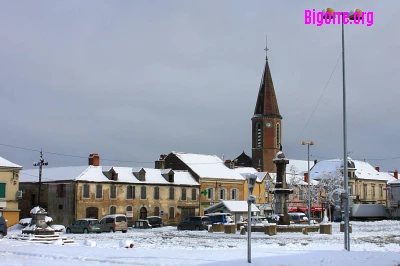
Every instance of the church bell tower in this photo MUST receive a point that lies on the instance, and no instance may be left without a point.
(266, 125)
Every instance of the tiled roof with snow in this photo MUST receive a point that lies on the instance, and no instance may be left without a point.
(243, 171)
(234, 206)
(208, 166)
(7, 164)
(363, 170)
(95, 174)
(52, 174)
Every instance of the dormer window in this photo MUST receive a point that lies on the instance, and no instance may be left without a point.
(140, 174)
(110, 173)
(168, 174)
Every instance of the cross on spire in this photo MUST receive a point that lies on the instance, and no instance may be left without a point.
(266, 46)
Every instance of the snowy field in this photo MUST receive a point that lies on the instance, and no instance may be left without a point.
(371, 243)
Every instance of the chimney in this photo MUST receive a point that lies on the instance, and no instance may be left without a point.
(228, 163)
(258, 169)
(377, 168)
(160, 163)
(94, 159)
(306, 177)
(396, 174)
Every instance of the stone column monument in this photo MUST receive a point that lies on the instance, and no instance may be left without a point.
(281, 190)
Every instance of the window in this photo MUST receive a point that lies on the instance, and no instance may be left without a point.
(365, 191)
(259, 134)
(234, 194)
(61, 190)
(350, 189)
(2, 190)
(171, 213)
(183, 194)
(301, 194)
(86, 191)
(130, 192)
(33, 197)
(373, 191)
(129, 208)
(278, 134)
(210, 193)
(113, 192)
(222, 193)
(194, 194)
(143, 192)
(156, 211)
(380, 190)
(99, 191)
(171, 193)
(156, 193)
(113, 210)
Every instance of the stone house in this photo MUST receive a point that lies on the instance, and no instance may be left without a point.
(366, 183)
(217, 181)
(395, 196)
(70, 193)
(9, 194)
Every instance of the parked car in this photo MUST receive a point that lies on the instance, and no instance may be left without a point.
(195, 223)
(155, 221)
(299, 217)
(113, 223)
(84, 226)
(220, 218)
(3, 227)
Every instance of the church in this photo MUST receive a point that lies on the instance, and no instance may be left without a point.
(266, 128)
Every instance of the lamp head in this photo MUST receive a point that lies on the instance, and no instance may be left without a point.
(251, 181)
(355, 14)
(303, 143)
(328, 12)
(311, 142)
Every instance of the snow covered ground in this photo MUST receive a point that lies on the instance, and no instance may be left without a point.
(372, 243)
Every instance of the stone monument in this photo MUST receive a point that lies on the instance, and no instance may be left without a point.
(38, 225)
(281, 190)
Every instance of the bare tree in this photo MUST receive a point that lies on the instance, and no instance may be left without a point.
(330, 183)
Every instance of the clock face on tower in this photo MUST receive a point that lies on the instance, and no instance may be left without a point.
(268, 124)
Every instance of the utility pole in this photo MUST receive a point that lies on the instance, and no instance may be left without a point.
(40, 163)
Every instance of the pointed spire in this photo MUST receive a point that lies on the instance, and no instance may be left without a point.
(267, 104)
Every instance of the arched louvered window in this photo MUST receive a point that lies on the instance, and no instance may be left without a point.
(259, 134)
(278, 134)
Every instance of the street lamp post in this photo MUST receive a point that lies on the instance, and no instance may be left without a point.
(251, 181)
(330, 13)
(40, 163)
(308, 173)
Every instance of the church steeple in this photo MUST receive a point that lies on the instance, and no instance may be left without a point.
(266, 124)
(267, 103)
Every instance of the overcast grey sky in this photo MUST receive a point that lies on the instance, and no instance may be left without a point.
(131, 80)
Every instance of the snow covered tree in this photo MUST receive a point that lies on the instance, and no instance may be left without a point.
(328, 184)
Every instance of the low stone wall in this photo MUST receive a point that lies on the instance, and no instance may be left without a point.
(296, 228)
(325, 229)
(230, 228)
(270, 229)
(218, 228)
(350, 228)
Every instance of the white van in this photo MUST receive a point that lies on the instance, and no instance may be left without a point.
(299, 217)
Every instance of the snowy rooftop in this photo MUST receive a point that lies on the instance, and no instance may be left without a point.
(95, 174)
(208, 166)
(233, 206)
(363, 170)
(7, 164)
(250, 170)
